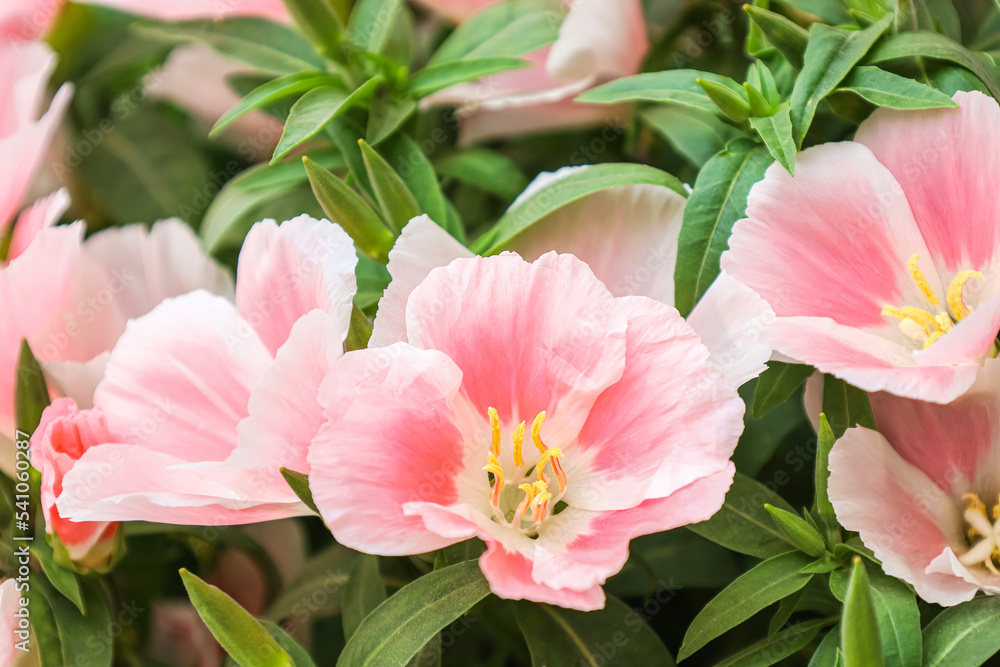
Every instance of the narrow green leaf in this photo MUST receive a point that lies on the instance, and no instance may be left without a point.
(484, 169)
(786, 608)
(403, 624)
(321, 582)
(762, 586)
(320, 24)
(696, 135)
(239, 633)
(64, 635)
(824, 444)
(828, 652)
(789, 38)
(362, 594)
(777, 384)
(299, 483)
(615, 635)
(503, 30)
(434, 78)
(31, 395)
(264, 45)
(345, 207)
(829, 57)
(398, 204)
(743, 524)
(409, 160)
(308, 116)
(729, 101)
(62, 579)
(898, 620)
(797, 531)
(773, 650)
(272, 91)
(776, 132)
(371, 24)
(891, 90)
(964, 635)
(300, 657)
(759, 106)
(360, 331)
(386, 116)
(926, 44)
(573, 186)
(718, 200)
(859, 632)
(846, 406)
(676, 86)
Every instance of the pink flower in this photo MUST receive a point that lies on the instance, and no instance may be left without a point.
(533, 409)
(628, 237)
(205, 399)
(71, 299)
(190, 10)
(63, 436)
(10, 624)
(880, 256)
(598, 41)
(924, 491)
(27, 19)
(24, 136)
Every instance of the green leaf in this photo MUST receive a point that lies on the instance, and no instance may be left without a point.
(308, 116)
(933, 45)
(64, 580)
(729, 101)
(360, 331)
(408, 159)
(772, 580)
(300, 657)
(266, 46)
(663, 563)
(776, 132)
(239, 633)
(743, 524)
(344, 131)
(859, 632)
(759, 106)
(362, 594)
(828, 652)
(404, 623)
(503, 30)
(318, 588)
(320, 24)
(696, 135)
(774, 649)
(777, 384)
(824, 444)
(299, 483)
(679, 86)
(898, 620)
(718, 200)
(398, 204)
(434, 78)
(797, 531)
(573, 186)
(789, 38)
(272, 91)
(459, 553)
(964, 635)
(891, 90)
(846, 406)
(831, 11)
(64, 636)
(346, 207)
(485, 169)
(829, 57)
(615, 635)
(386, 116)
(371, 24)
(31, 395)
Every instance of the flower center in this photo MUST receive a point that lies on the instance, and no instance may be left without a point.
(923, 325)
(984, 534)
(526, 503)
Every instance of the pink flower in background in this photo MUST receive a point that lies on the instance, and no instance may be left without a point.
(205, 399)
(9, 623)
(25, 130)
(532, 408)
(924, 491)
(62, 437)
(190, 10)
(880, 256)
(598, 41)
(71, 299)
(628, 237)
(27, 19)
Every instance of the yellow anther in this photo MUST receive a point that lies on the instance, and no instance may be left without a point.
(518, 444)
(536, 432)
(551, 455)
(493, 466)
(933, 338)
(975, 503)
(918, 315)
(944, 322)
(540, 500)
(921, 281)
(495, 428)
(955, 290)
(529, 491)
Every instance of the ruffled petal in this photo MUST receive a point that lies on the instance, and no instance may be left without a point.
(43, 214)
(422, 246)
(285, 272)
(602, 38)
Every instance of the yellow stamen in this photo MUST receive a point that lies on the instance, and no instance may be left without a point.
(551, 455)
(921, 281)
(495, 428)
(540, 500)
(518, 444)
(955, 290)
(494, 467)
(536, 432)
(933, 338)
(944, 322)
(918, 315)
